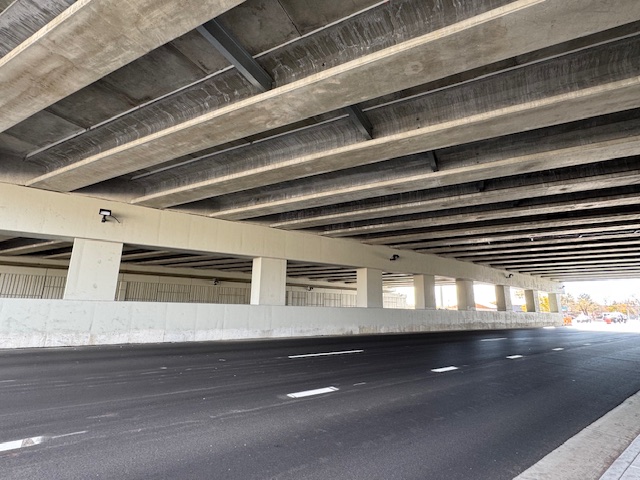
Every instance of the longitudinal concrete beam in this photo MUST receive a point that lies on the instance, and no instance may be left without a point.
(594, 203)
(567, 107)
(33, 212)
(488, 242)
(89, 40)
(526, 229)
(458, 201)
(589, 265)
(562, 108)
(518, 27)
(595, 255)
(556, 245)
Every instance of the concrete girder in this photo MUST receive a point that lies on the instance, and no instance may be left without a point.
(518, 194)
(458, 201)
(475, 216)
(33, 247)
(176, 257)
(69, 52)
(538, 268)
(629, 271)
(571, 236)
(130, 257)
(240, 266)
(515, 28)
(562, 108)
(525, 246)
(600, 275)
(578, 259)
(593, 153)
(573, 245)
(167, 271)
(576, 253)
(542, 228)
(479, 123)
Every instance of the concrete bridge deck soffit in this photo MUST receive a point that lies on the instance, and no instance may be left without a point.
(505, 133)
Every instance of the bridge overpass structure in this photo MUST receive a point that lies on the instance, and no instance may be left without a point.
(219, 169)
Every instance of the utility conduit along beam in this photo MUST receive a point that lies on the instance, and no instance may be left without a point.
(33, 212)
(87, 41)
(519, 27)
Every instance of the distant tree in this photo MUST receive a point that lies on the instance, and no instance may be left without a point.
(570, 303)
(586, 304)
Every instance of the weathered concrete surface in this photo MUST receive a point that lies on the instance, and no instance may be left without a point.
(518, 27)
(22, 19)
(511, 231)
(487, 214)
(573, 85)
(69, 52)
(531, 163)
(53, 323)
(462, 200)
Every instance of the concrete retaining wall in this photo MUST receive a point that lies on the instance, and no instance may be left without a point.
(48, 323)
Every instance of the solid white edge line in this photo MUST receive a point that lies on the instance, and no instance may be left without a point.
(308, 393)
(513, 357)
(344, 352)
(444, 369)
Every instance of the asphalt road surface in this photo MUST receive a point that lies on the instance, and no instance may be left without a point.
(373, 409)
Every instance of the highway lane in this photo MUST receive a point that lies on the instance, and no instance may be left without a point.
(225, 410)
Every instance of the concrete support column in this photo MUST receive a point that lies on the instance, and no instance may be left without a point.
(369, 288)
(532, 300)
(425, 291)
(554, 303)
(466, 298)
(503, 298)
(268, 281)
(93, 270)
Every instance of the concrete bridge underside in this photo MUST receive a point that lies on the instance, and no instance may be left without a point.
(342, 145)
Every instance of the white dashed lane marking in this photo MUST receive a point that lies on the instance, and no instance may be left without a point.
(70, 434)
(444, 369)
(309, 393)
(344, 352)
(557, 349)
(22, 443)
(493, 339)
(513, 357)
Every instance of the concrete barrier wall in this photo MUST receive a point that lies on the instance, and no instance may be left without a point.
(48, 323)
